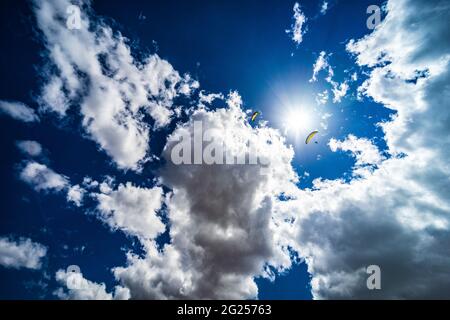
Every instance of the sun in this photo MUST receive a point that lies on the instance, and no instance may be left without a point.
(294, 111)
(297, 121)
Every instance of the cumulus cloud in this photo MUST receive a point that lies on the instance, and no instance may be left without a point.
(75, 195)
(30, 147)
(81, 288)
(18, 111)
(97, 74)
(41, 178)
(362, 149)
(208, 98)
(397, 217)
(53, 97)
(222, 234)
(23, 253)
(132, 209)
(298, 27)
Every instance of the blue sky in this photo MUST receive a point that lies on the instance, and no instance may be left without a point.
(225, 46)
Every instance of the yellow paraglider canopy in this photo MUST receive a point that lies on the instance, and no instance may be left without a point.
(254, 115)
(310, 136)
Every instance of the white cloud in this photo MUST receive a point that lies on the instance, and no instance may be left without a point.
(86, 289)
(222, 233)
(208, 98)
(322, 97)
(364, 151)
(21, 254)
(30, 147)
(43, 178)
(88, 182)
(98, 74)
(322, 64)
(40, 177)
(18, 111)
(132, 210)
(75, 194)
(53, 97)
(324, 7)
(397, 217)
(339, 91)
(298, 28)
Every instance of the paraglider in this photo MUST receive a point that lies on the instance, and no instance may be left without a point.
(254, 115)
(310, 136)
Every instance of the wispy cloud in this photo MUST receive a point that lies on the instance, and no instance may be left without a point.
(324, 7)
(18, 111)
(30, 147)
(298, 27)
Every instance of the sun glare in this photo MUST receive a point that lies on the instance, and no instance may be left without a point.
(299, 122)
(294, 112)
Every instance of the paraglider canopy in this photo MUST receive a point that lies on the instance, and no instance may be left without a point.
(254, 115)
(310, 136)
